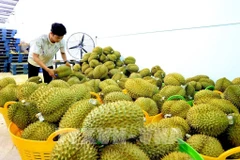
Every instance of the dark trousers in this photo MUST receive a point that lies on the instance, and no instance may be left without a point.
(33, 71)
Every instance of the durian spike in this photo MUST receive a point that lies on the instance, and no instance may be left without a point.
(97, 96)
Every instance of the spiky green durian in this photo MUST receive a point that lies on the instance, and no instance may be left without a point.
(175, 108)
(85, 57)
(106, 83)
(225, 105)
(74, 146)
(113, 71)
(148, 105)
(175, 79)
(117, 54)
(89, 72)
(85, 66)
(93, 63)
(55, 104)
(233, 130)
(94, 83)
(5, 81)
(197, 85)
(174, 122)
(145, 72)
(116, 96)
(93, 56)
(236, 80)
(63, 71)
(155, 68)
(80, 91)
(8, 93)
(97, 50)
(25, 89)
(138, 87)
(205, 82)
(159, 99)
(119, 63)
(100, 71)
(35, 79)
(207, 120)
(59, 83)
(222, 84)
(32, 110)
(160, 74)
(18, 114)
(73, 80)
(123, 151)
(110, 65)
(196, 78)
(103, 58)
(108, 50)
(232, 93)
(154, 80)
(190, 91)
(41, 91)
(76, 67)
(111, 88)
(171, 90)
(132, 68)
(135, 75)
(113, 122)
(177, 156)
(38, 131)
(118, 76)
(157, 142)
(203, 96)
(76, 113)
(129, 60)
(112, 57)
(206, 145)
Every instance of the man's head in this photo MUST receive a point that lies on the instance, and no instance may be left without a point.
(57, 33)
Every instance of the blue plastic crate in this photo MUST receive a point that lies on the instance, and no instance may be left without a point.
(17, 58)
(19, 68)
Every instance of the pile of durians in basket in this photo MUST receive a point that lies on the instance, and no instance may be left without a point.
(104, 97)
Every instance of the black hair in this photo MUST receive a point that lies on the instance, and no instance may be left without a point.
(58, 29)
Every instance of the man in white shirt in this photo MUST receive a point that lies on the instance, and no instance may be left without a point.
(42, 52)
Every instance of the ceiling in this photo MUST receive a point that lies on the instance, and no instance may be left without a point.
(7, 9)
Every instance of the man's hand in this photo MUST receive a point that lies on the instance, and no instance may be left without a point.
(51, 73)
(68, 64)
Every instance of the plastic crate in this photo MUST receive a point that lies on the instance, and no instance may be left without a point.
(32, 149)
(17, 58)
(19, 68)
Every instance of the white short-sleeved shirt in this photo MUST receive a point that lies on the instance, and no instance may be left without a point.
(45, 49)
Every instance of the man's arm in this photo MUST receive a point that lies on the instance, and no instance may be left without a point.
(64, 57)
(43, 66)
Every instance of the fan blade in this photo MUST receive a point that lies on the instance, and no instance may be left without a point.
(74, 47)
(82, 40)
(84, 50)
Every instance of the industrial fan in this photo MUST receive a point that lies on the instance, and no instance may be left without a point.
(78, 44)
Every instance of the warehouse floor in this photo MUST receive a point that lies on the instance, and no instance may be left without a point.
(7, 149)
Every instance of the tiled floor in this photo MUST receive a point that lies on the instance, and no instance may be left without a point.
(7, 149)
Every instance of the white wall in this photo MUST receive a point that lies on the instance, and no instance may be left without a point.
(211, 51)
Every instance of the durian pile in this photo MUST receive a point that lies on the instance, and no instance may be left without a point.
(105, 96)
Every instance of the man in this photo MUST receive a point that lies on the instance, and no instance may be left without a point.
(42, 52)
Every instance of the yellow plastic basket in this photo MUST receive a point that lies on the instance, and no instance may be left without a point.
(224, 155)
(4, 111)
(32, 149)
